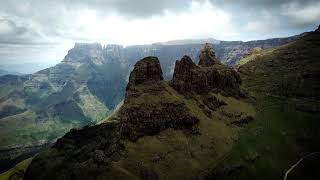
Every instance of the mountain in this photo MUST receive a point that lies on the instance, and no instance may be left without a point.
(85, 88)
(38, 108)
(284, 83)
(24, 68)
(208, 122)
(162, 127)
(4, 72)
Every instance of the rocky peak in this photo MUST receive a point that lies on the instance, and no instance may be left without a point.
(81, 51)
(86, 46)
(190, 78)
(148, 106)
(147, 69)
(187, 76)
(207, 56)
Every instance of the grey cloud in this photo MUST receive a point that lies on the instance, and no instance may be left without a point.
(17, 34)
(49, 21)
(137, 8)
(273, 13)
(53, 19)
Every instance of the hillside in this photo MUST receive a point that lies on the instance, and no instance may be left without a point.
(284, 82)
(84, 88)
(201, 124)
(161, 129)
(38, 108)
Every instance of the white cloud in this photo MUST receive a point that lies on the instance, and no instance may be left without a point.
(59, 23)
(302, 14)
(201, 20)
(5, 27)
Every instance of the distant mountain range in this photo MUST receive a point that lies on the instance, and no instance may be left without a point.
(4, 72)
(87, 86)
(24, 68)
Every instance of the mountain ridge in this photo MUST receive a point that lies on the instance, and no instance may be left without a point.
(85, 87)
(257, 137)
(151, 107)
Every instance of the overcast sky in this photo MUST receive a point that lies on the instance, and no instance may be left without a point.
(42, 31)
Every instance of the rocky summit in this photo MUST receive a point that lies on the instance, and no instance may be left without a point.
(207, 56)
(209, 75)
(147, 70)
(149, 107)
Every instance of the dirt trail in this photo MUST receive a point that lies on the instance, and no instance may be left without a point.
(297, 163)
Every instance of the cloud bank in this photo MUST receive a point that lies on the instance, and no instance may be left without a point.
(43, 31)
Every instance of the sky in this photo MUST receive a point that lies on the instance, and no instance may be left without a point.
(42, 31)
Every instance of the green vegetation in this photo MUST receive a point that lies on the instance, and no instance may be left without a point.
(16, 172)
(173, 154)
(25, 128)
(283, 83)
(41, 107)
(258, 137)
(273, 142)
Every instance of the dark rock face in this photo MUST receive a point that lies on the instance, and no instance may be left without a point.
(80, 154)
(150, 120)
(147, 69)
(149, 107)
(188, 76)
(211, 75)
(207, 56)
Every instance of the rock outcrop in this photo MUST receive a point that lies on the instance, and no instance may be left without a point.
(188, 77)
(207, 56)
(147, 69)
(149, 107)
(80, 154)
(209, 75)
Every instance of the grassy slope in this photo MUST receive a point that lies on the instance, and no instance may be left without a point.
(283, 131)
(171, 154)
(16, 172)
(176, 154)
(45, 114)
